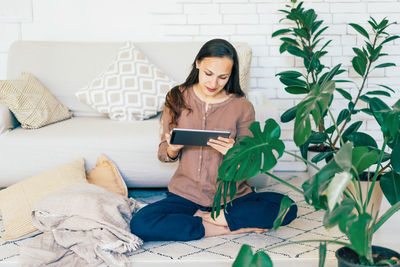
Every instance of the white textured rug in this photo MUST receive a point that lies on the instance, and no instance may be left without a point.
(221, 251)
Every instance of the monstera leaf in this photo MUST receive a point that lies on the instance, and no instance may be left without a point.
(314, 105)
(247, 158)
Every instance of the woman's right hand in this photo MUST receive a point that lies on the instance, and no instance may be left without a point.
(172, 150)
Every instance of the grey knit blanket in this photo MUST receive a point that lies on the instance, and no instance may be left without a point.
(82, 225)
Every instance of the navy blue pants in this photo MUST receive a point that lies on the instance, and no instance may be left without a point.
(172, 218)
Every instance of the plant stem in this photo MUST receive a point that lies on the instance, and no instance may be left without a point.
(336, 127)
(304, 160)
(376, 171)
(384, 168)
(392, 210)
(284, 182)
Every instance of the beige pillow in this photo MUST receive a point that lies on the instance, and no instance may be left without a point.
(244, 58)
(106, 175)
(17, 201)
(30, 101)
(131, 88)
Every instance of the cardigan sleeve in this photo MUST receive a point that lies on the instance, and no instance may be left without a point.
(162, 147)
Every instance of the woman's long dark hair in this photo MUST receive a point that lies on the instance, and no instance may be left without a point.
(213, 48)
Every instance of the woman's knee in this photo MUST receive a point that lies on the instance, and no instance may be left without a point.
(140, 224)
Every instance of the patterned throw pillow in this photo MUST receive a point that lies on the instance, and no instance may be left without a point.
(30, 101)
(131, 88)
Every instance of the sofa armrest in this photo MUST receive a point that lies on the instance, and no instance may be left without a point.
(7, 119)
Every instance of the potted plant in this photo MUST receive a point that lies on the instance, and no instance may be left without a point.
(328, 190)
(302, 41)
(335, 188)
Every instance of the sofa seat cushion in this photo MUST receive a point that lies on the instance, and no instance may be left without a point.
(132, 146)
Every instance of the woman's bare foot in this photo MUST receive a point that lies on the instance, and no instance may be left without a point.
(206, 216)
(219, 226)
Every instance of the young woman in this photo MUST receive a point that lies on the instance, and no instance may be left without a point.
(210, 98)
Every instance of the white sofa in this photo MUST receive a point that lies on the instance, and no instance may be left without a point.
(66, 67)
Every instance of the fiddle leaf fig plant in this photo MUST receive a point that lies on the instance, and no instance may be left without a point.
(335, 188)
(305, 40)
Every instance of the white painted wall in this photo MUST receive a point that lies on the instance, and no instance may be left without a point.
(251, 21)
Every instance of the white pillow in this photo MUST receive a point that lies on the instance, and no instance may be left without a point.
(131, 88)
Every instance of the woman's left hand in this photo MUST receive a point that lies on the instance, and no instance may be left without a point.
(221, 144)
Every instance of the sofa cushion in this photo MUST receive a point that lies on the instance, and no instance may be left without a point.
(17, 201)
(132, 145)
(106, 175)
(30, 101)
(131, 87)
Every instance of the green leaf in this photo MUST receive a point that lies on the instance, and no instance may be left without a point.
(283, 47)
(331, 74)
(261, 259)
(387, 87)
(216, 208)
(232, 189)
(317, 158)
(289, 74)
(317, 138)
(292, 81)
(245, 159)
(339, 213)
(365, 98)
(390, 185)
(360, 53)
(363, 158)
(315, 26)
(280, 32)
(357, 233)
(289, 114)
(378, 108)
(313, 105)
(344, 94)
(296, 90)
(378, 92)
(391, 38)
(301, 32)
(343, 115)
(286, 203)
(319, 32)
(360, 29)
(336, 188)
(244, 257)
(290, 41)
(395, 158)
(359, 65)
(322, 254)
(362, 139)
(297, 52)
(343, 157)
(385, 65)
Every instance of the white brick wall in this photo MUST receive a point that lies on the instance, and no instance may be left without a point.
(251, 21)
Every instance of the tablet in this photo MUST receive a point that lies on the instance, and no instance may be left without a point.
(192, 137)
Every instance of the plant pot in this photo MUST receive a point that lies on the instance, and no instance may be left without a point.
(348, 258)
(376, 197)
